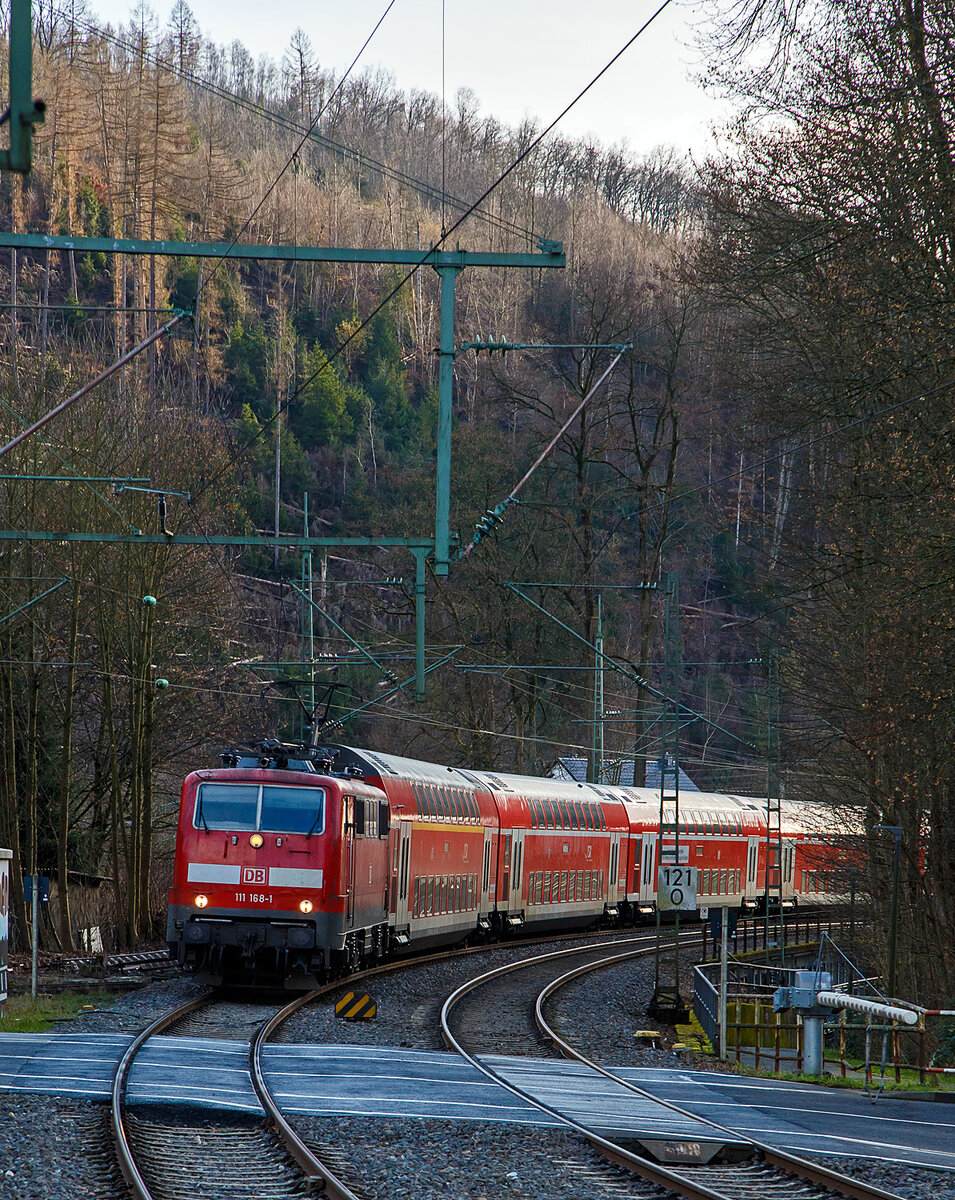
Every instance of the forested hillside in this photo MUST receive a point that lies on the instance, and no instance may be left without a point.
(778, 435)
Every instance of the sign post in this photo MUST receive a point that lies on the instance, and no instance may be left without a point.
(35, 889)
(724, 972)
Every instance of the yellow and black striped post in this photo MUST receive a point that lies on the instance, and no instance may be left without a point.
(356, 1008)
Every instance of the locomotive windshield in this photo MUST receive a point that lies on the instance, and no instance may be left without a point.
(269, 807)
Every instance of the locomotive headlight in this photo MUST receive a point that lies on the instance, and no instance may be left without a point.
(256, 840)
(305, 906)
(201, 901)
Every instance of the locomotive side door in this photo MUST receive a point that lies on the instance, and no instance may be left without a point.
(348, 857)
(517, 870)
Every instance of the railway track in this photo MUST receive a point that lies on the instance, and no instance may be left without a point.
(175, 1155)
(763, 1174)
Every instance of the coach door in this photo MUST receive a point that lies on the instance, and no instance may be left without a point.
(613, 875)
(752, 866)
(648, 868)
(505, 842)
(403, 882)
(488, 870)
(517, 870)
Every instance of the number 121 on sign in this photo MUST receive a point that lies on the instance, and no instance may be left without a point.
(676, 889)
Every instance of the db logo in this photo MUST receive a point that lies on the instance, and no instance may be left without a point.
(253, 874)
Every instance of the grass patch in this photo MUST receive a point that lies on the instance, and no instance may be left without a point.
(20, 1014)
(908, 1083)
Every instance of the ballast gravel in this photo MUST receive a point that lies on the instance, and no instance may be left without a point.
(55, 1149)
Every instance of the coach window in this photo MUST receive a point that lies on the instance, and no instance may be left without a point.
(574, 820)
(564, 815)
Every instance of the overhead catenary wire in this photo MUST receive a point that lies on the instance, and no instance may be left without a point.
(293, 156)
(427, 190)
(91, 384)
(382, 304)
(496, 514)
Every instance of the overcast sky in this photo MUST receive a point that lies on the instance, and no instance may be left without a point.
(520, 58)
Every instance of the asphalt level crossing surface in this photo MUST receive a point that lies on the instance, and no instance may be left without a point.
(397, 1082)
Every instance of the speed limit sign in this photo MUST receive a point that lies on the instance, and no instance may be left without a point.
(676, 889)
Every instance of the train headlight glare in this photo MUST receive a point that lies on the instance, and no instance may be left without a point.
(201, 901)
(256, 840)
(305, 906)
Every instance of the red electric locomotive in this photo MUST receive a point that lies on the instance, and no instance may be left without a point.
(281, 869)
(298, 862)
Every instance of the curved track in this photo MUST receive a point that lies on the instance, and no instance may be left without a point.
(769, 1174)
(162, 1156)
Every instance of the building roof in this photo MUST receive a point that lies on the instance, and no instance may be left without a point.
(616, 773)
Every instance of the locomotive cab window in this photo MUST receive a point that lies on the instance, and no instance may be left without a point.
(269, 807)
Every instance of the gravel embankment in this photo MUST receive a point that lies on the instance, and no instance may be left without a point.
(51, 1148)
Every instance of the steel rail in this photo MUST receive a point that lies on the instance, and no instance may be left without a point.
(127, 1163)
(314, 1170)
(809, 1172)
(653, 1172)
